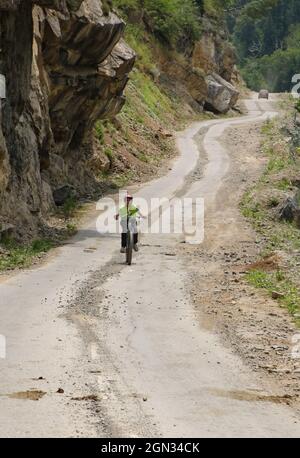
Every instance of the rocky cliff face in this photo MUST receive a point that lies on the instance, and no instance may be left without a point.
(207, 74)
(66, 66)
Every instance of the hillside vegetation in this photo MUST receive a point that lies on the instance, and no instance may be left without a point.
(266, 34)
(272, 205)
(132, 145)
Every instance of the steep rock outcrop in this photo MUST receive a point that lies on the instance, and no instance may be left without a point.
(215, 54)
(207, 71)
(189, 78)
(216, 57)
(66, 66)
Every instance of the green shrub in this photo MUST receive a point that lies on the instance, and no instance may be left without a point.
(71, 229)
(109, 154)
(273, 202)
(135, 38)
(41, 245)
(277, 281)
(22, 255)
(283, 184)
(172, 20)
(99, 131)
(276, 164)
(69, 207)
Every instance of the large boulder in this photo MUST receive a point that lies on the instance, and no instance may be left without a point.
(289, 210)
(63, 194)
(221, 95)
(6, 231)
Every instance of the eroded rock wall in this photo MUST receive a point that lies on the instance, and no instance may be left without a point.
(66, 66)
(205, 74)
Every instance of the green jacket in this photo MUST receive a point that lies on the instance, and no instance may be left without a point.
(132, 211)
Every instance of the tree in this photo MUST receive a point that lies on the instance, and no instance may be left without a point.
(265, 33)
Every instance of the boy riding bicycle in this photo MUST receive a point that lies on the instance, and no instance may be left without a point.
(129, 214)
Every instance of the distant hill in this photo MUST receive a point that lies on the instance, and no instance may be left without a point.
(266, 34)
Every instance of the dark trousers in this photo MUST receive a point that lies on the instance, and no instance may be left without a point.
(124, 239)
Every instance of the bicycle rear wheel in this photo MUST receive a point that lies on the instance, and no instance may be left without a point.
(129, 248)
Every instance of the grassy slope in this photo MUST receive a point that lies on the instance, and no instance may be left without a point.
(260, 205)
(138, 140)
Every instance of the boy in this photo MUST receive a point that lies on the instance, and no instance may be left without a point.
(128, 215)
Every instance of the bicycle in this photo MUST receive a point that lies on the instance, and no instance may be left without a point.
(131, 229)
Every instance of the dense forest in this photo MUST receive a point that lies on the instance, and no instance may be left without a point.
(266, 34)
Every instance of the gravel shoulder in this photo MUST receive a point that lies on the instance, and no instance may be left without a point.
(249, 321)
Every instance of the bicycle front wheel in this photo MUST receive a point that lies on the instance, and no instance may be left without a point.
(129, 248)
